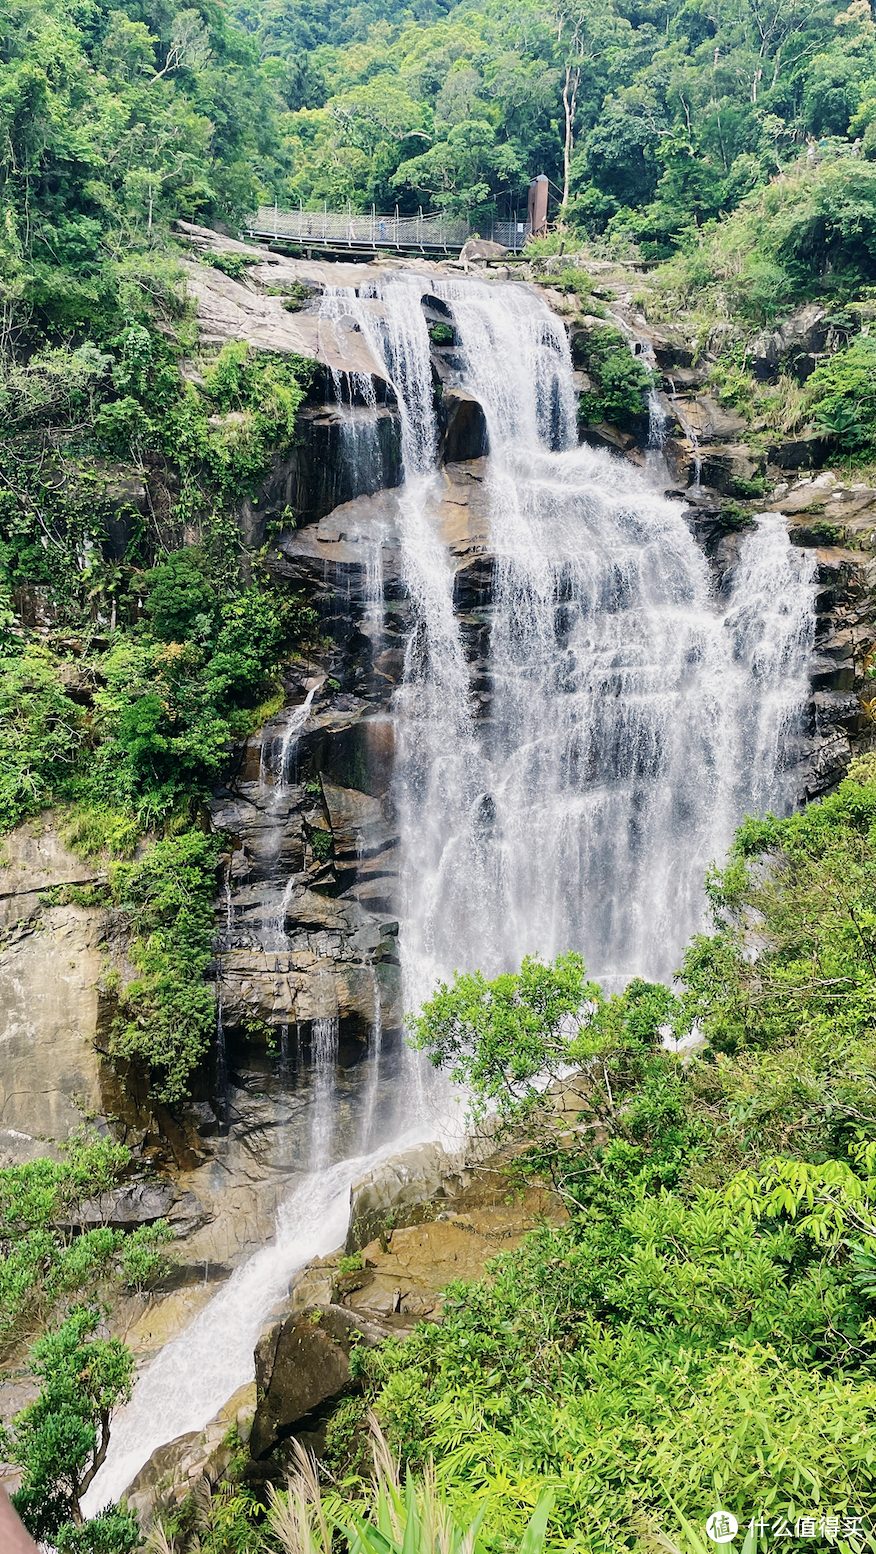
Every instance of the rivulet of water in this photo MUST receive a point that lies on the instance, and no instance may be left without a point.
(195, 1374)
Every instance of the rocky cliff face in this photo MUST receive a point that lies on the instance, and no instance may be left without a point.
(50, 966)
(307, 924)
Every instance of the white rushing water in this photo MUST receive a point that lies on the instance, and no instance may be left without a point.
(631, 720)
(194, 1375)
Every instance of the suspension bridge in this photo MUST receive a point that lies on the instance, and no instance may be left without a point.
(367, 232)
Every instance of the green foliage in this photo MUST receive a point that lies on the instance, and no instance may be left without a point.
(621, 381)
(498, 1038)
(114, 1531)
(61, 1439)
(42, 734)
(503, 1039)
(46, 1256)
(322, 845)
(389, 1519)
(351, 1264)
(701, 1330)
(842, 391)
(167, 1014)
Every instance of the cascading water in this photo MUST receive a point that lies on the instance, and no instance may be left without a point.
(324, 1059)
(631, 723)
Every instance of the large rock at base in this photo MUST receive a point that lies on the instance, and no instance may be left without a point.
(200, 1456)
(464, 433)
(301, 1362)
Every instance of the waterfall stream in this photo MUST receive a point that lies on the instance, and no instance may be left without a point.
(631, 721)
(626, 722)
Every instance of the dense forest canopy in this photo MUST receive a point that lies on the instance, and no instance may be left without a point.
(653, 118)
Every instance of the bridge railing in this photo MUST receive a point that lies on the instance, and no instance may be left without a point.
(373, 230)
(355, 231)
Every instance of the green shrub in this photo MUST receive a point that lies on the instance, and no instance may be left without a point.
(60, 1439)
(44, 1261)
(622, 381)
(42, 734)
(167, 1015)
(842, 393)
(322, 845)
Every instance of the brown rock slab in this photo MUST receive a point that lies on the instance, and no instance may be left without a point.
(301, 1362)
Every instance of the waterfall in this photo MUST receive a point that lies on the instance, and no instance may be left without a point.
(197, 1372)
(323, 1060)
(374, 1053)
(631, 720)
(631, 724)
(275, 769)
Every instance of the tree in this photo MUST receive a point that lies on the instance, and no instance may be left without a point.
(61, 1439)
(503, 1038)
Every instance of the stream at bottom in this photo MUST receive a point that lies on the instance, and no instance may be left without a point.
(190, 1379)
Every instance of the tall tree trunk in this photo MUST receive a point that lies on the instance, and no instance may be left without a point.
(570, 99)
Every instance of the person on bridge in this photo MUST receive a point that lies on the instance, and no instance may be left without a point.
(352, 235)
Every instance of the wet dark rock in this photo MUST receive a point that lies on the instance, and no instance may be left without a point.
(599, 434)
(302, 1362)
(810, 450)
(463, 428)
(730, 468)
(795, 343)
(320, 473)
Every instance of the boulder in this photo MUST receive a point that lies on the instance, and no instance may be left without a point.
(303, 1361)
(671, 350)
(726, 468)
(795, 343)
(140, 1203)
(599, 434)
(397, 1187)
(198, 1457)
(810, 450)
(464, 427)
(709, 421)
(479, 249)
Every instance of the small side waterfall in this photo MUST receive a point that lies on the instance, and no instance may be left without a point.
(323, 1059)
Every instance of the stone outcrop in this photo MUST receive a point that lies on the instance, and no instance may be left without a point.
(301, 1362)
(50, 966)
(797, 343)
(195, 1461)
(463, 428)
(229, 309)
